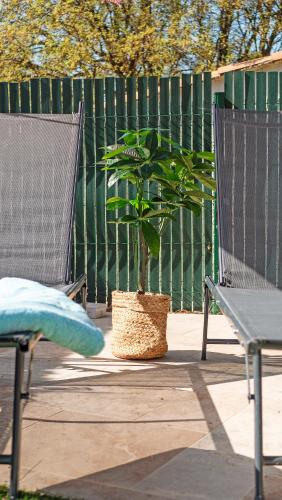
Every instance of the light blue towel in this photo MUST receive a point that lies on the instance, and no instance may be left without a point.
(29, 306)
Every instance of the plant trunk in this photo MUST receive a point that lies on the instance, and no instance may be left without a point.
(144, 257)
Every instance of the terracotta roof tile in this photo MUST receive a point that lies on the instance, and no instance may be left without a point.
(251, 63)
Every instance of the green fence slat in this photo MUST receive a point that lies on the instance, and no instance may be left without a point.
(4, 98)
(165, 258)
(186, 110)
(153, 101)
(153, 119)
(142, 109)
(272, 93)
(25, 97)
(35, 95)
(67, 95)
(177, 226)
(56, 92)
(131, 103)
(131, 99)
(87, 224)
(112, 229)
(207, 110)
(175, 108)
(61, 94)
(164, 107)
(197, 112)
(100, 191)
(208, 215)
(62, 102)
(120, 106)
(142, 102)
(197, 221)
(238, 96)
(77, 93)
(250, 91)
(153, 122)
(122, 231)
(14, 97)
(229, 89)
(80, 247)
(45, 95)
(261, 91)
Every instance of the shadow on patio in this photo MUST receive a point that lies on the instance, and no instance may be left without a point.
(104, 428)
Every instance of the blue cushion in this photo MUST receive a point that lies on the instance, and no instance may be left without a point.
(29, 306)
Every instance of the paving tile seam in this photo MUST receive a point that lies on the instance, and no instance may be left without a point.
(29, 471)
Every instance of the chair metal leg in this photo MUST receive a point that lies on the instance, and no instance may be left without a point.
(17, 417)
(258, 425)
(206, 319)
(84, 296)
(29, 375)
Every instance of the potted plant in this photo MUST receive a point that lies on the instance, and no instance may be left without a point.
(175, 176)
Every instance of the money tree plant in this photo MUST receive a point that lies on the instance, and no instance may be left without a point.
(166, 177)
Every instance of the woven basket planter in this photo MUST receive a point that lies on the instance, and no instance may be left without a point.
(139, 325)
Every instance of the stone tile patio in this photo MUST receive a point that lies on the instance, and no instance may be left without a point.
(177, 428)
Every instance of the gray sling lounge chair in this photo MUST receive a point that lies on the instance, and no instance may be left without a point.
(39, 155)
(249, 203)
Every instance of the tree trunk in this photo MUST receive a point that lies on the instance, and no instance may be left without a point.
(144, 257)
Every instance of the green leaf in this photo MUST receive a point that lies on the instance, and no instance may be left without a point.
(193, 206)
(157, 199)
(163, 138)
(159, 213)
(169, 192)
(141, 204)
(163, 154)
(130, 137)
(115, 152)
(143, 152)
(146, 171)
(126, 163)
(206, 155)
(206, 180)
(206, 169)
(116, 176)
(152, 238)
(152, 141)
(127, 219)
(116, 202)
(200, 194)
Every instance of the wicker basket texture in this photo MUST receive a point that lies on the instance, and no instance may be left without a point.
(139, 325)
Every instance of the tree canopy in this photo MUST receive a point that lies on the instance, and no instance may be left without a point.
(132, 37)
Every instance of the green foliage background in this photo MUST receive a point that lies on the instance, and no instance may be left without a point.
(92, 38)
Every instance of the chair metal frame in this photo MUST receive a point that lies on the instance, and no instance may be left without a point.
(255, 351)
(25, 342)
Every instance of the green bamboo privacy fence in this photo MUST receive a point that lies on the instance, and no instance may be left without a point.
(253, 90)
(181, 108)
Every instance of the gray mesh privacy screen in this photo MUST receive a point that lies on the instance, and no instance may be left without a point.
(37, 177)
(249, 176)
